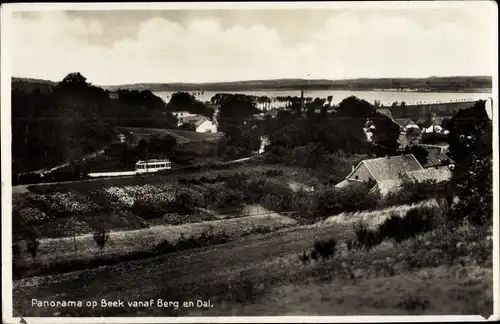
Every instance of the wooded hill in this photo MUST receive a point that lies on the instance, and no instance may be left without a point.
(452, 83)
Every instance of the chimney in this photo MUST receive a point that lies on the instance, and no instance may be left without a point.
(353, 167)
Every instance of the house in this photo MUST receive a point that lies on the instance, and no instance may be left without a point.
(438, 174)
(407, 124)
(385, 173)
(201, 124)
(181, 115)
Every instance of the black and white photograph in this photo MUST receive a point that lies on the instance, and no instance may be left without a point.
(249, 161)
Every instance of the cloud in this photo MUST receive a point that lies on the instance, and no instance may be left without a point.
(346, 46)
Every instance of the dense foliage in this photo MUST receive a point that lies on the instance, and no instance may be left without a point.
(471, 148)
(73, 118)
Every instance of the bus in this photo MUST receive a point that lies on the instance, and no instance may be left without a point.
(152, 165)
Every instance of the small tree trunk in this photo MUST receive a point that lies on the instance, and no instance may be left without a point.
(74, 243)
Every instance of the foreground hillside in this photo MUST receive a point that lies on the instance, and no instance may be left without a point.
(441, 272)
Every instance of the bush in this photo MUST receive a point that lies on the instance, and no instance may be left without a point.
(147, 210)
(366, 237)
(101, 236)
(273, 173)
(325, 249)
(412, 192)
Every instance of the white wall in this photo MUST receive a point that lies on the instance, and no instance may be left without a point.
(207, 126)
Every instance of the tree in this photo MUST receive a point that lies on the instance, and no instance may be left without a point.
(419, 152)
(386, 134)
(101, 236)
(33, 243)
(470, 147)
(74, 80)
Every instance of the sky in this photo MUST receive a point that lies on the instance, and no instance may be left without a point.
(139, 46)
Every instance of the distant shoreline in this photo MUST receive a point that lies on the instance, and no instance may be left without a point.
(454, 84)
(481, 90)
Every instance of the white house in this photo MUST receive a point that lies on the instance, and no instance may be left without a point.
(201, 124)
(181, 116)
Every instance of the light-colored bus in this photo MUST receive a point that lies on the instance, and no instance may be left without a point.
(152, 166)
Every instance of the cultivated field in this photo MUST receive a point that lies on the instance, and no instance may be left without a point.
(259, 269)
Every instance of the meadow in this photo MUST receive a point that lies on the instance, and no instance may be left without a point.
(441, 271)
(246, 262)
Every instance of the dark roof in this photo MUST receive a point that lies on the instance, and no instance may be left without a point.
(425, 123)
(390, 168)
(403, 122)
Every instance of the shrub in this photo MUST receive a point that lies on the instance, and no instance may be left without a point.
(305, 257)
(147, 210)
(390, 228)
(325, 249)
(273, 172)
(164, 247)
(350, 244)
(101, 236)
(236, 180)
(32, 243)
(353, 198)
(411, 192)
(417, 220)
(366, 237)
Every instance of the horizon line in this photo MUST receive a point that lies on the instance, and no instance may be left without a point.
(264, 79)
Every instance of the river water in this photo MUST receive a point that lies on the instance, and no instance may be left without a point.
(385, 97)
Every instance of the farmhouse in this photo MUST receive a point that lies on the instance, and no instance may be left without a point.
(385, 173)
(200, 124)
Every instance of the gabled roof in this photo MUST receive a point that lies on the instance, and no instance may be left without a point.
(385, 111)
(390, 168)
(426, 123)
(404, 122)
(195, 120)
(438, 174)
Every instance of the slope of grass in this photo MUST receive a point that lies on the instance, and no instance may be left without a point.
(440, 272)
(53, 253)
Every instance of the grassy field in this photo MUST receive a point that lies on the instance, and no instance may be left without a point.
(121, 243)
(182, 136)
(435, 273)
(440, 272)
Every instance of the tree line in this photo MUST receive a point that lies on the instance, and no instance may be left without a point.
(74, 118)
